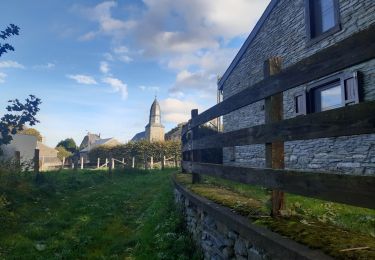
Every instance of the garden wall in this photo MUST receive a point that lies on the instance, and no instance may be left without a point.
(222, 234)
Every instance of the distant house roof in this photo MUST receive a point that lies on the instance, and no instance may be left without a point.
(139, 136)
(106, 141)
(247, 43)
(89, 139)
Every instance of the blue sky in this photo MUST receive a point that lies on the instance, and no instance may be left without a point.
(97, 65)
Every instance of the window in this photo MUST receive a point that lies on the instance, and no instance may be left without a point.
(322, 17)
(333, 92)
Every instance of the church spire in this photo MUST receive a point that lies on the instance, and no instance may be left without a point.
(155, 113)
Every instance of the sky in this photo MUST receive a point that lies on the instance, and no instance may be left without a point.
(97, 65)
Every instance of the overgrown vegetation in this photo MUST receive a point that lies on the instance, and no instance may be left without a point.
(91, 215)
(342, 231)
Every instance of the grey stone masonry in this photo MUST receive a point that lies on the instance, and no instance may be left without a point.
(284, 34)
(213, 237)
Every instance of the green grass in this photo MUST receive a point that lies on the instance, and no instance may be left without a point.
(328, 226)
(88, 214)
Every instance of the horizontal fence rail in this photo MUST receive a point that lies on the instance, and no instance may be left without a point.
(345, 121)
(351, 120)
(348, 189)
(358, 48)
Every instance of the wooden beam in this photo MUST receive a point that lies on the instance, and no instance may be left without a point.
(349, 189)
(345, 121)
(357, 48)
(194, 155)
(274, 152)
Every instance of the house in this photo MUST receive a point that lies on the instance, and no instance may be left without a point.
(48, 159)
(292, 31)
(91, 141)
(26, 145)
(175, 133)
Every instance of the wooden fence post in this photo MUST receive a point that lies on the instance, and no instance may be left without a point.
(98, 164)
(113, 163)
(193, 154)
(110, 165)
(82, 163)
(106, 162)
(123, 161)
(17, 156)
(133, 162)
(274, 151)
(163, 161)
(36, 161)
(63, 163)
(152, 162)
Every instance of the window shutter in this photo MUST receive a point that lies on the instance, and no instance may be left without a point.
(300, 107)
(350, 82)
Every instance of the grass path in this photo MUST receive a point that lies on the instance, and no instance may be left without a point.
(88, 215)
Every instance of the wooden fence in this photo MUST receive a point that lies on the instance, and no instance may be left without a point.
(346, 121)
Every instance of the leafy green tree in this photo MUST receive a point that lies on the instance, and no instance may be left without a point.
(18, 115)
(32, 131)
(62, 152)
(9, 31)
(69, 145)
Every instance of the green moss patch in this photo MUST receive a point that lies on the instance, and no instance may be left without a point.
(342, 231)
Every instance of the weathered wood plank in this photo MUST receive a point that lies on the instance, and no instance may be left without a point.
(274, 153)
(348, 189)
(358, 48)
(277, 246)
(345, 121)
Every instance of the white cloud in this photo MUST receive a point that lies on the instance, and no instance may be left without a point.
(121, 49)
(176, 110)
(108, 25)
(83, 79)
(125, 58)
(199, 81)
(154, 89)
(47, 66)
(11, 64)
(117, 86)
(88, 36)
(104, 67)
(2, 77)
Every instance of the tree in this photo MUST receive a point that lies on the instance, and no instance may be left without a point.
(62, 152)
(69, 145)
(32, 131)
(19, 114)
(9, 31)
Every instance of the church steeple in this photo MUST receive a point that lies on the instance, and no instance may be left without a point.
(155, 113)
(154, 128)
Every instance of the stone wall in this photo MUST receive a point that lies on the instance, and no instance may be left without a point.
(284, 34)
(213, 237)
(221, 234)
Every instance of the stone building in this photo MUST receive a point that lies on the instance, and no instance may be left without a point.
(154, 130)
(91, 141)
(294, 30)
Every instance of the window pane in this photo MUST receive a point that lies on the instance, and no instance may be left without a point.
(327, 10)
(330, 98)
(323, 15)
